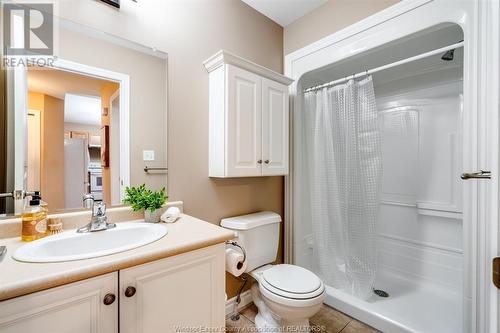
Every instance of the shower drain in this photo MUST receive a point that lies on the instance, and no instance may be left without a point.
(381, 293)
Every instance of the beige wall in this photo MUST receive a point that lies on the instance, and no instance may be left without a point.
(327, 19)
(190, 31)
(52, 147)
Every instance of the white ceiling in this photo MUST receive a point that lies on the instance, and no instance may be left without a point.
(82, 109)
(284, 12)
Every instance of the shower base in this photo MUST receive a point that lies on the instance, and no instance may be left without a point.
(411, 307)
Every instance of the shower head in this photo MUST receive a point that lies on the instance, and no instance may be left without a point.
(448, 56)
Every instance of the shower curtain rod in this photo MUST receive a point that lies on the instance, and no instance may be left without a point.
(381, 68)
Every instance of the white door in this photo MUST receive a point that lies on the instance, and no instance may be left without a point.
(244, 123)
(181, 292)
(274, 128)
(34, 140)
(77, 308)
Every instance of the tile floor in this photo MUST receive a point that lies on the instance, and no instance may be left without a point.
(327, 320)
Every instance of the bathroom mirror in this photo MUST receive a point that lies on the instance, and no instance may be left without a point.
(91, 122)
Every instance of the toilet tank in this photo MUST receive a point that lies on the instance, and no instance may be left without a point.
(258, 233)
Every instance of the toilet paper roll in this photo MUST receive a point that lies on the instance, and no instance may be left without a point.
(234, 262)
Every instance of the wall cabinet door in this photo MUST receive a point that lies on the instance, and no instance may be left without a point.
(187, 291)
(274, 128)
(77, 308)
(244, 120)
(248, 117)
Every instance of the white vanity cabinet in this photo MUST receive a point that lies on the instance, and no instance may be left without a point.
(76, 307)
(166, 295)
(248, 118)
(175, 294)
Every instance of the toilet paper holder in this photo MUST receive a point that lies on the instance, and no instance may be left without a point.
(234, 243)
(236, 316)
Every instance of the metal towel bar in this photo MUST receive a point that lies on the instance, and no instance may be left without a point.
(148, 169)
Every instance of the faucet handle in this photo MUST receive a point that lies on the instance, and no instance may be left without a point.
(99, 209)
(88, 201)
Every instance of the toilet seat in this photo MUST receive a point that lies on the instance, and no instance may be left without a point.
(291, 285)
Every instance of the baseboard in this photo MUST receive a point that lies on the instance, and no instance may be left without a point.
(246, 298)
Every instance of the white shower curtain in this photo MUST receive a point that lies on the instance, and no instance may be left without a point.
(343, 168)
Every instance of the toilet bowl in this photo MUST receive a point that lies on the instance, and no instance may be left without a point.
(286, 297)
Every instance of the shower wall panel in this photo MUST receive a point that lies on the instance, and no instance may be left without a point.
(420, 224)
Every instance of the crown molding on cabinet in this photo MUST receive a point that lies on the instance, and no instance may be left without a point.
(223, 57)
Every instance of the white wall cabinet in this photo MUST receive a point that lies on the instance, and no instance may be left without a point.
(274, 128)
(187, 290)
(248, 118)
(244, 118)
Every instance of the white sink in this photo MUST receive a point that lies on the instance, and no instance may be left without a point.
(71, 245)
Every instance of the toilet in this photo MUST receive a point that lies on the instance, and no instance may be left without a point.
(285, 295)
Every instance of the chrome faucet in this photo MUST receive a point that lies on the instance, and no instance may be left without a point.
(99, 220)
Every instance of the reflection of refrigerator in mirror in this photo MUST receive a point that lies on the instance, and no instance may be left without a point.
(75, 172)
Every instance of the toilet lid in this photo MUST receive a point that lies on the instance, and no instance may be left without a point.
(292, 280)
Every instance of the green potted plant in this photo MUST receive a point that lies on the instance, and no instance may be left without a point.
(141, 198)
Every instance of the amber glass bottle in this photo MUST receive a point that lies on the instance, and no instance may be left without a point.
(34, 219)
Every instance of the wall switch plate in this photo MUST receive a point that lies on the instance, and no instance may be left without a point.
(148, 155)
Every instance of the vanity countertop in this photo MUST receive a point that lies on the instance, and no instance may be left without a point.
(20, 278)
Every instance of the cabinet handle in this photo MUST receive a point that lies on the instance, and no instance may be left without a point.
(259, 161)
(266, 161)
(109, 299)
(130, 291)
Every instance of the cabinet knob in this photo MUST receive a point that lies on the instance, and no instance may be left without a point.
(109, 299)
(259, 161)
(266, 161)
(130, 291)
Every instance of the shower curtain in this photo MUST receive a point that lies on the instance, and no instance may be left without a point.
(343, 168)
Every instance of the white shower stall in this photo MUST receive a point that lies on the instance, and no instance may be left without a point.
(433, 237)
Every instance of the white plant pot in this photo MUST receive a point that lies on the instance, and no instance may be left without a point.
(152, 217)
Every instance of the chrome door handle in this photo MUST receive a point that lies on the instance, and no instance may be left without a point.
(481, 174)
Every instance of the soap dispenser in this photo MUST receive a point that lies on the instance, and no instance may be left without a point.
(43, 204)
(34, 220)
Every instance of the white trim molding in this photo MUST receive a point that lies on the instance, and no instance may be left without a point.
(246, 299)
(124, 82)
(223, 57)
(479, 21)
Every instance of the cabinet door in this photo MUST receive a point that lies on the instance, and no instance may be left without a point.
(77, 308)
(173, 294)
(274, 128)
(244, 132)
